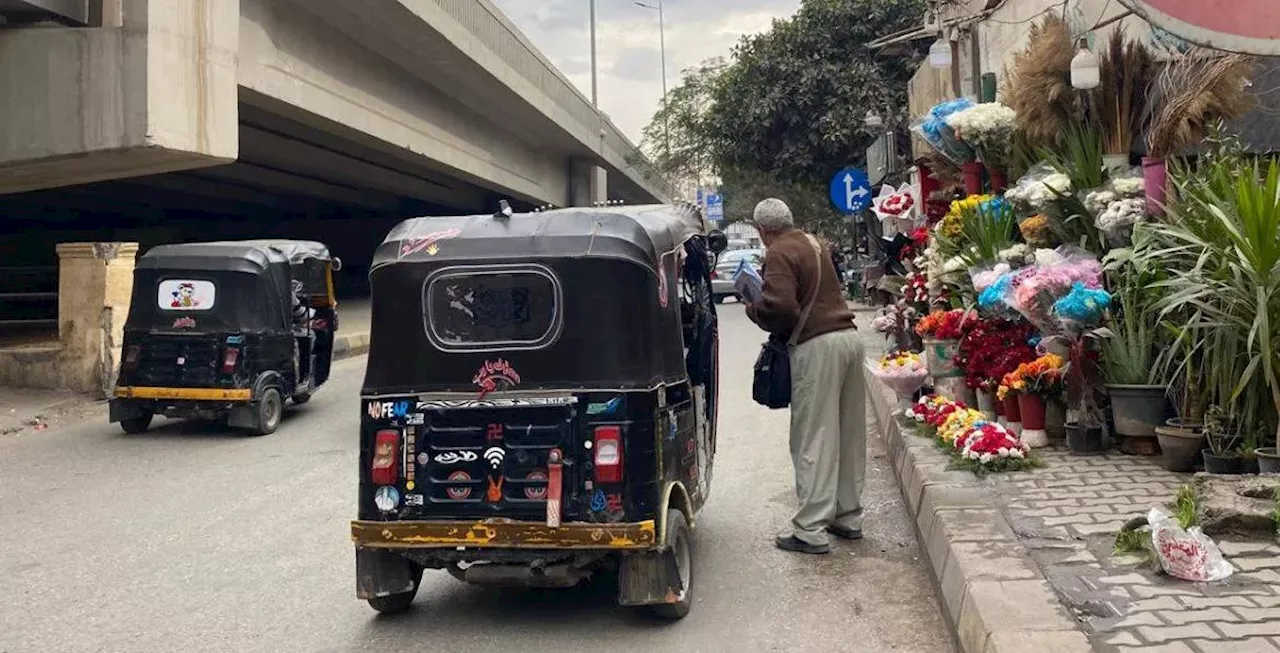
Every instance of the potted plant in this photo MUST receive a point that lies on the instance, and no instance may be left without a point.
(1036, 383)
(1182, 437)
(1223, 454)
(1128, 355)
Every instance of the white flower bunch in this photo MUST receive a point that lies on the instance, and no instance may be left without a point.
(1122, 213)
(1129, 186)
(988, 128)
(1098, 200)
(1015, 256)
(1039, 193)
(1048, 257)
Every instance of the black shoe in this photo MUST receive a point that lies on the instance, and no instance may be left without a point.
(797, 545)
(845, 533)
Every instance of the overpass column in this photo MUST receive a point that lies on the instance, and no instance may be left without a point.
(588, 183)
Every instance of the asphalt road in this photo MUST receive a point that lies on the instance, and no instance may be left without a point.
(180, 539)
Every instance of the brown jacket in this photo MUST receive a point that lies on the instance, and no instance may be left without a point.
(792, 273)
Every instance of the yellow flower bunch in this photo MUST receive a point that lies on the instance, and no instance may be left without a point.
(1002, 392)
(953, 224)
(902, 359)
(959, 422)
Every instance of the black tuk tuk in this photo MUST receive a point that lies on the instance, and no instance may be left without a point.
(226, 330)
(539, 402)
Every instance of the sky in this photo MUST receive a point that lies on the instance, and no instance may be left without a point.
(628, 56)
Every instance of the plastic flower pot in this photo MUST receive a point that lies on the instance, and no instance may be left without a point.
(1249, 464)
(1268, 460)
(999, 181)
(1032, 409)
(1136, 411)
(1180, 447)
(987, 403)
(1156, 176)
(1084, 441)
(1055, 419)
(1012, 414)
(940, 358)
(972, 173)
(1215, 464)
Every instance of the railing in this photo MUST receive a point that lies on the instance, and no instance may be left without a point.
(28, 299)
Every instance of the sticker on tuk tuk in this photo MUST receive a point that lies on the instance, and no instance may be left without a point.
(604, 409)
(599, 502)
(388, 409)
(186, 295)
(184, 323)
(453, 457)
(536, 492)
(459, 492)
(413, 500)
(495, 490)
(429, 243)
(386, 498)
(496, 376)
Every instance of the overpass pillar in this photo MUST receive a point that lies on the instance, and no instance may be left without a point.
(152, 90)
(588, 183)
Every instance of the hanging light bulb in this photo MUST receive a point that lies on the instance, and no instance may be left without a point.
(940, 54)
(1086, 73)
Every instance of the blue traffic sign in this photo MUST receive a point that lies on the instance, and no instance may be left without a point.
(851, 191)
(715, 207)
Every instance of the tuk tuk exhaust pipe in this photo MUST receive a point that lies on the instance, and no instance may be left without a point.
(537, 575)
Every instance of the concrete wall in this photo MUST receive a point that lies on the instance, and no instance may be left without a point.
(155, 94)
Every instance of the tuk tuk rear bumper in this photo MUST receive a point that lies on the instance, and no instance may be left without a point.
(192, 394)
(503, 535)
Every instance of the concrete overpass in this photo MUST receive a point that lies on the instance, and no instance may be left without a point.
(142, 110)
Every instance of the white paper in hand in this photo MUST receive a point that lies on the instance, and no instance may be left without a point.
(747, 282)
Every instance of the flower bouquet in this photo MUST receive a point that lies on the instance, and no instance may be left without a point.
(933, 128)
(1039, 188)
(988, 351)
(988, 129)
(957, 423)
(916, 289)
(1118, 207)
(1034, 290)
(1038, 231)
(903, 372)
(894, 322)
(988, 447)
(941, 331)
(1036, 383)
(930, 411)
(896, 210)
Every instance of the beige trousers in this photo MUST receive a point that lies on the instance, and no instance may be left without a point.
(828, 433)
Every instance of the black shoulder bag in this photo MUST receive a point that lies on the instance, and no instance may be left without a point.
(771, 386)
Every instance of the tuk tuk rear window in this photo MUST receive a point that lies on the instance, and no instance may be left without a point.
(186, 295)
(492, 307)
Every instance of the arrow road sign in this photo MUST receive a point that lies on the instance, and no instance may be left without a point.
(715, 208)
(851, 191)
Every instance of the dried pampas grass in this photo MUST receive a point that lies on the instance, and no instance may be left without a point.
(1194, 90)
(1117, 105)
(1039, 86)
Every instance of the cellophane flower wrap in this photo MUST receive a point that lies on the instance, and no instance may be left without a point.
(1034, 290)
(988, 129)
(990, 447)
(933, 128)
(1040, 187)
(992, 348)
(896, 209)
(901, 371)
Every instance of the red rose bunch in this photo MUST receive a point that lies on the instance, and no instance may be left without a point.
(946, 325)
(992, 348)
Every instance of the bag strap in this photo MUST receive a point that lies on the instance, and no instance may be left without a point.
(804, 315)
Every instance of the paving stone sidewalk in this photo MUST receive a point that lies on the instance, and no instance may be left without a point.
(1066, 514)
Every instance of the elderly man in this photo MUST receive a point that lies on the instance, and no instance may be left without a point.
(802, 302)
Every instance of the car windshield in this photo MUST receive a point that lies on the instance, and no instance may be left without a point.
(737, 255)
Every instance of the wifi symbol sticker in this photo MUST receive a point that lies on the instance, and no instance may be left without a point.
(494, 455)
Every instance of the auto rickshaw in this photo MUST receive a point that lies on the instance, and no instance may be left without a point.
(226, 330)
(539, 403)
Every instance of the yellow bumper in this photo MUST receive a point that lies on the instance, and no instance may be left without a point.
(196, 394)
(502, 535)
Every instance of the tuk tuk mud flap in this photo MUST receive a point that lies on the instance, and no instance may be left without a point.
(506, 534)
(649, 578)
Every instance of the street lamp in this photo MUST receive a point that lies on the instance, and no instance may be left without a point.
(595, 93)
(662, 40)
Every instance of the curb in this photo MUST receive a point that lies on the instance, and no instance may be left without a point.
(350, 346)
(994, 596)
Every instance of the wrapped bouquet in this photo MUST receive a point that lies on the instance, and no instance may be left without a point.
(903, 372)
(988, 129)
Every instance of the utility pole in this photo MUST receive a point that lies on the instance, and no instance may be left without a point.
(595, 92)
(662, 41)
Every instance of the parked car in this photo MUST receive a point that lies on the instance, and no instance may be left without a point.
(722, 276)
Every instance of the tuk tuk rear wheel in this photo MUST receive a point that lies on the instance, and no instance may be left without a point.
(270, 408)
(679, 543)
(134, 425)
(398, 603)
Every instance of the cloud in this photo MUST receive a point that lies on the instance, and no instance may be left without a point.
(628, 40)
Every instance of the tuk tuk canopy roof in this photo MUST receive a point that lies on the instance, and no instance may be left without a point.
(253, 256)
(641, 234)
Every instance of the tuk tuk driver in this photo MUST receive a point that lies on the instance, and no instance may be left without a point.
(803, 302)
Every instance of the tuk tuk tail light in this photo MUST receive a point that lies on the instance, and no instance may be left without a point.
(385, 468)
(608, 448)
(230, 359)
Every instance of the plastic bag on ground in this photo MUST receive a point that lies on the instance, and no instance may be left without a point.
(1186, 554)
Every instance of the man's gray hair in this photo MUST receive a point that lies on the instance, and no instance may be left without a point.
(773, 215)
